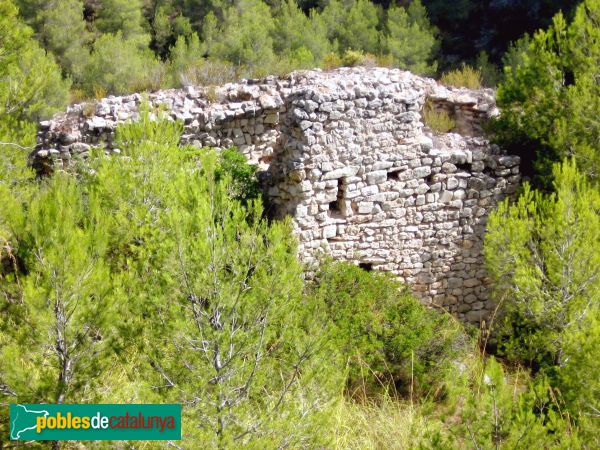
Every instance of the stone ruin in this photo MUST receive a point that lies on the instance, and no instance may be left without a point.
(347, 155)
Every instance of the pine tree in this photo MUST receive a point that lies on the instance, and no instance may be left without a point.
(31, 86)
(168, 24)
(185, 59)
(353, 24)
(63, 32)
(56, 297)
(119, 66)
(242, 37)
(124, 16)
(549, 98)
(154, 278)
(410, 38)
(543, 254)
(226, 288)
(295, 33)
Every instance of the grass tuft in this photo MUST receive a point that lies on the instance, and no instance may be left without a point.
(438, 120)
(466, 77)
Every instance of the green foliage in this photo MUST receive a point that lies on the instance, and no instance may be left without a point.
(490, 73)
(466, 76)
(124, 16)
(352, 58)
(119, 66)
(243, 184)
(188, 67)
(576, 376)
(144, 279)
(298, 37)
(147, 130)
(489, 408)
(31, 86)
(437, 119)
(550, 97)
(352, 24)
(65, 295)
(167, 28)
(242, 37)
(386, 335)
(543, 256)
(410, 39)
(63, 32)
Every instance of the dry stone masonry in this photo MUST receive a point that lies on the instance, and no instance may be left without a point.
(347, 155)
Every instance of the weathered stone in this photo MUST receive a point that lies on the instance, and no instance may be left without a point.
(376, 177)
(348, 171)
(421, 172)
(329, 231)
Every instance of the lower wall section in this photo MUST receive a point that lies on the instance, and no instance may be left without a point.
(422, 218)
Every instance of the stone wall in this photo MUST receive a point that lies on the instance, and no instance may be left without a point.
(347, 155)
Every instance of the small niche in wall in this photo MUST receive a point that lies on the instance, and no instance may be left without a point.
(367, 267)
(464, 167)
(393, 176)
(335, 207)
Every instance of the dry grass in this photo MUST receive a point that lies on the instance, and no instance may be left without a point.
(382, 424)
(89, 109)
(99, 92)
(437, 120)
(353, 58)
(466, 77)
(211, 94)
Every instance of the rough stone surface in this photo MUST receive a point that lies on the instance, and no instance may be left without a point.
(346, 154)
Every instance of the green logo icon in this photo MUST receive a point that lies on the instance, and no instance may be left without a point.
(48, 422)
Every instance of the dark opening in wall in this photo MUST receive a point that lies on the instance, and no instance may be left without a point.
(465, 167)
(430, 180)
(335, 207)
(569, 78)
(393, 175)
(366, 266)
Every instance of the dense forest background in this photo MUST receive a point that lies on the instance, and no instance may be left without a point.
(119, 46)
(155, 277)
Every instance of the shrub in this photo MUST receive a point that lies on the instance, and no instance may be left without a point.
(352, 58)
(466, 76)
(382, 423)
(385, 61)
(489, 407)
(187, 65)
(549, 95)
(543, 258)
(244, 184)
(331, 61)
(490, 73)
(120, 66)
(389, 338)
(437, 119)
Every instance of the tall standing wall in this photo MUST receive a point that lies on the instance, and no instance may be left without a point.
(346, 154)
